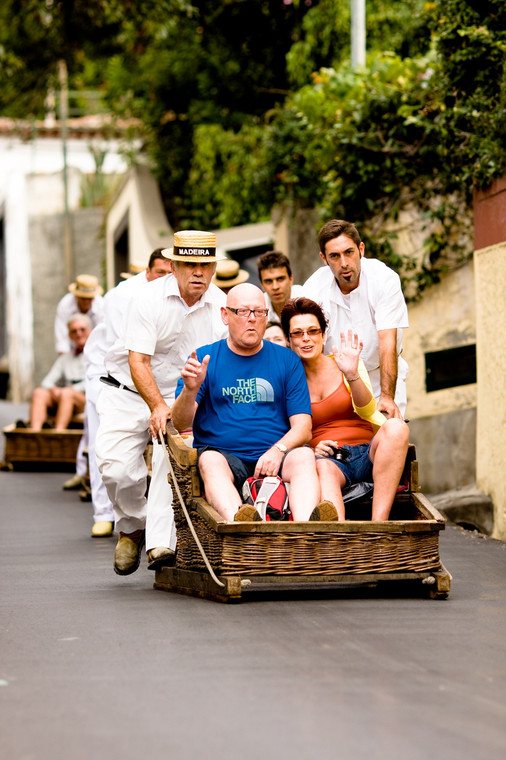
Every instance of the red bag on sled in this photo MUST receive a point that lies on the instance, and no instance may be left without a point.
(269, 496)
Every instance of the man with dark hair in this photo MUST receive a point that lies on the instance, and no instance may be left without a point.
(365, 296)
(275, 274)
(158, 265)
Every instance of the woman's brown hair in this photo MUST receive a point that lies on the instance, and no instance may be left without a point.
(302, 305)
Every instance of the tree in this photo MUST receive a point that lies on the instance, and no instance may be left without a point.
(407, 131)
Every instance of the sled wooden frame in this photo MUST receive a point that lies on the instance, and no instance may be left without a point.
(253, 556)
(27, 449)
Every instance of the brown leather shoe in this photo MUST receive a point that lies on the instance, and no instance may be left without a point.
(160, 556)
(325, 511)
(127, 554)
(247, 513)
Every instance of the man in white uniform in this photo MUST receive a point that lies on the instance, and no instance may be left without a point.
(116, 303)
(62, 389)
(164, 323)
(363, 295)
(84, 297)
(276, 279)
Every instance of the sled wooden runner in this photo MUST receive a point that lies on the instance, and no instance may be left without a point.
(245, 557)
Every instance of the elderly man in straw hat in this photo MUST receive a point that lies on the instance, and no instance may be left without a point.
(228, 274)
(116, 305)
(164, 322)
(84, 297)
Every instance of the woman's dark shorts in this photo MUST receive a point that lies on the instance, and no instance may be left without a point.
(357, 468)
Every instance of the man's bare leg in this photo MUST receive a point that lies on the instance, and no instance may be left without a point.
(219, 487)
(69, 400)
(41, 401)
(299, 471)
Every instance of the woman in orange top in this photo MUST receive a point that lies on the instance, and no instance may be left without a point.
(344, 413)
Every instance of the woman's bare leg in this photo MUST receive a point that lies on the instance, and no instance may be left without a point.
(332, 482)
(388, 454)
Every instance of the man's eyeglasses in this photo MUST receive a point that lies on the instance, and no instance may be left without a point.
(312, 332)
(244, 313)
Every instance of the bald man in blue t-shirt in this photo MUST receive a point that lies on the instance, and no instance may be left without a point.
(248, 403)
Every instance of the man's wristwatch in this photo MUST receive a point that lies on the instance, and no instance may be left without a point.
(281, 447)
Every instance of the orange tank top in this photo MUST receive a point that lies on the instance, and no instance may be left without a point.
(335, 420)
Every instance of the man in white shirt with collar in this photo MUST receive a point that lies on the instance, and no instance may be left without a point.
(165, 321)
(363, 295)
(116, 305)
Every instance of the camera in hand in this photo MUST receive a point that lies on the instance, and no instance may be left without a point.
(339, 453)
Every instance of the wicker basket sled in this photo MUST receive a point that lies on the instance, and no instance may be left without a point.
(47, 449)
(238, 557)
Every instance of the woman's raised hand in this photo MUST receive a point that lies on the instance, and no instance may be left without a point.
(347, 358)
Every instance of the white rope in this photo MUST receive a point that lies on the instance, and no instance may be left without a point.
(185, 511)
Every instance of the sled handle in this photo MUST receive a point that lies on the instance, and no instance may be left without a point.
(187, 516)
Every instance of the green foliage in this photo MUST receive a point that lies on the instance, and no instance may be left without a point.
(471, 47)
(399, 26)
(210, 82)
(364, 145)
(228, 180)
(418, 131)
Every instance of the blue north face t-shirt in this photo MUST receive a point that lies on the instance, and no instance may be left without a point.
(245, 401)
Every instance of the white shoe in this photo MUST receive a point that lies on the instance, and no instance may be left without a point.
(102, 528)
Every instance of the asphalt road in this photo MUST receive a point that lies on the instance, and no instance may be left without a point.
(93, 665)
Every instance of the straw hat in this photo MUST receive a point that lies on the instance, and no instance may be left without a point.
(229, 274)
(192, 246)
(133, 269)
(86, 286)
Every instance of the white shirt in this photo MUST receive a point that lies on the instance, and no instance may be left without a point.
(102, 337)
(67, 370)
(116, 304)
(272, 316)
(65, 309)
(160, 324)
(376, 304)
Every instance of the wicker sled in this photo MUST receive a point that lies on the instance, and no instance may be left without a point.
(247, 556)
(47, 449)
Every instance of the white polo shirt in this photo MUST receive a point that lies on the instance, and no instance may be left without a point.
(68, 370)
(376, 304)
(116, 304)
(160, 324)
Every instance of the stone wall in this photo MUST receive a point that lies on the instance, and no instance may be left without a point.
(49, 283)
(490, 274)
(490, 264)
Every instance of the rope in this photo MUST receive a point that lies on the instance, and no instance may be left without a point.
(187, 516)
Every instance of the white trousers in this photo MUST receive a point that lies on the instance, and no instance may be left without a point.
(102, 505)
(81, 461)
(119, 446)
